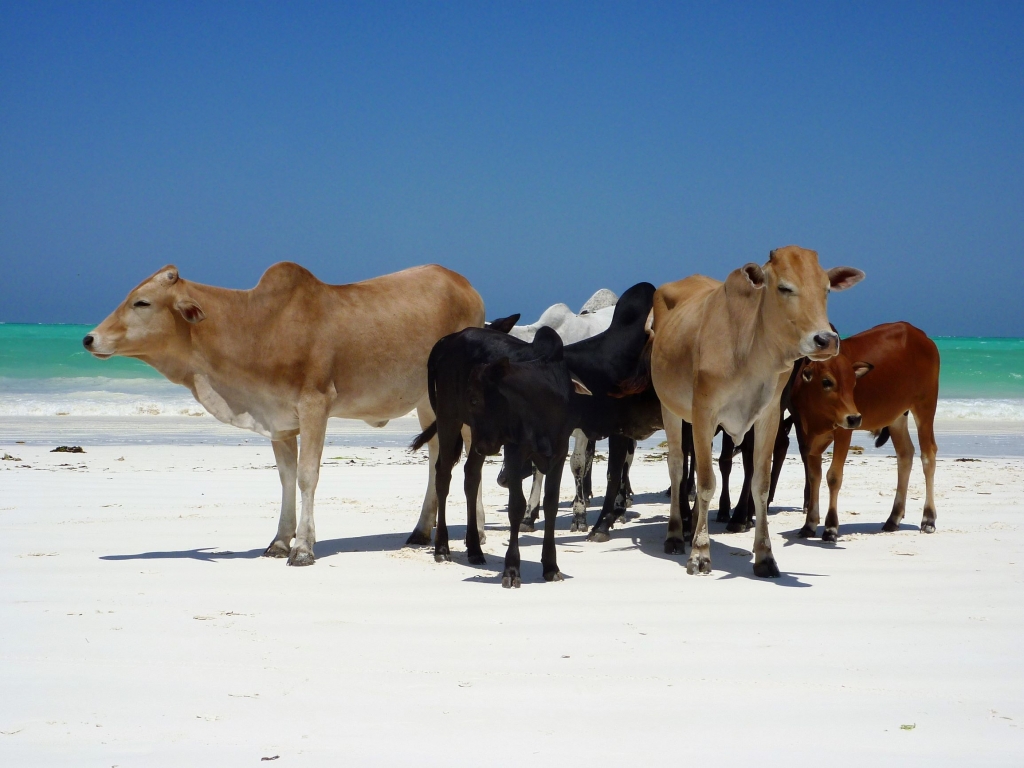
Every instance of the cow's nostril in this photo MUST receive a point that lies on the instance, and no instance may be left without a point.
(87, 341)
(823, 340)
(853, 421)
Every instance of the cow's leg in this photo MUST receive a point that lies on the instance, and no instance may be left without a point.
(899, 433)
(812, 466)
(467, 436)
(616, 460)
(779, 455)
(743, 515)
(529, 523)
(286, 452)
(703, 433)
(580, 464)
(511, 576)
(449, 451)
(312, 429)
(624, 497)
(725, 470)
(765, 428)
(674, 536)
(420, 535)
(689, 484)
(588, 475)
(924, 416)
(552, 484)
(840, 448)
(474, 465)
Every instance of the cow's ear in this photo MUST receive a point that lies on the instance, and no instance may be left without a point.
(578, 386)
(860, 368)
(494, 372)
(841, 278)
(807, 374)
(504, 324)
(754, 274)
(190, 310)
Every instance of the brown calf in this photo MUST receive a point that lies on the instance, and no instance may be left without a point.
(878, 377)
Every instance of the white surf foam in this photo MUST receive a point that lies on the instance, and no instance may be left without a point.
(95, 397)
(1008, 409)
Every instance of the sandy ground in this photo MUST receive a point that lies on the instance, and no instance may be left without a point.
(139, 626)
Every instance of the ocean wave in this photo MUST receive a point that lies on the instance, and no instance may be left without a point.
(95, 396)
(967, 409)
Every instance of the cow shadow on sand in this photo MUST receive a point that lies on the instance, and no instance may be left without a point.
(792, 536)
(383, 542)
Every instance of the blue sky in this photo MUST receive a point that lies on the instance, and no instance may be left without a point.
(543, 150)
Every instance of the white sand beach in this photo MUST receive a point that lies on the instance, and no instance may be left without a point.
(139, 626)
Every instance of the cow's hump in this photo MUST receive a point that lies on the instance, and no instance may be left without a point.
(284, 275)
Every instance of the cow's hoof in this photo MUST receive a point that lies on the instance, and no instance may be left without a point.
(527, 526)
(807, 532)
(698, 564)
(579, 526)
(737, 526)
(767, 568)
(675, 546)
(889, 526)
(722, 516)
(418, 539)
(927, 527)
(511, 579)
(830, 535)
(277, 549)
(598, 536)
(301, 556)
(442, 555)
(553, 576)
(477, 559)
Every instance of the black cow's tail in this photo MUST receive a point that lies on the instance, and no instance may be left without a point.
(424, 437)
(427, 434)
(641, 378)
(882, 437)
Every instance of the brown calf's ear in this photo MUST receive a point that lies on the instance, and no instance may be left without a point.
(190, 310)
(754, 274)
(841, 278)
(860, 368)
(579, 387)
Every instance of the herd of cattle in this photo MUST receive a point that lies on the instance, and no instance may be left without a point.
(692, 357)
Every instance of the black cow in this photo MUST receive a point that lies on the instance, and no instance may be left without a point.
(529, 408)
(600, 362)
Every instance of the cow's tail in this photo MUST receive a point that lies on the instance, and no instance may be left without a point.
(424, 437)
(881, 437)
(641, 378)
(427, 434)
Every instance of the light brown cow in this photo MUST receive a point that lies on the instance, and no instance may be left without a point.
(283, 357)
(722, 354)
(878, 376)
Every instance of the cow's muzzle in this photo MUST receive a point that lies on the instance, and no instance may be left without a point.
(822, 345)
(853, 421)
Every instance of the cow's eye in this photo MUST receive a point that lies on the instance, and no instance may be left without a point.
(785, 290)
(827, 383)
(141, 303)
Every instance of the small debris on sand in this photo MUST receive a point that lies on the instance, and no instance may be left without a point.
(8, 457)
(68, 449)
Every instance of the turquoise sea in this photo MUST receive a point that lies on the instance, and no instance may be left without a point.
(45, 371)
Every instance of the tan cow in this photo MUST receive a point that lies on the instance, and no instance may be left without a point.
(722, 354)
(282, 358)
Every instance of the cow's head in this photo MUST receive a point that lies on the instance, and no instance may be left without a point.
(795, 294)
(153, 318)
(823, 393)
